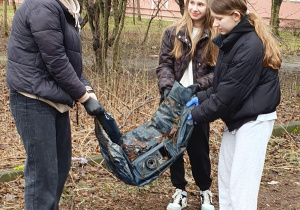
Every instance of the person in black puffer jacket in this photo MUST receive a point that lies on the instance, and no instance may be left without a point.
(45, 78)
(244, 94)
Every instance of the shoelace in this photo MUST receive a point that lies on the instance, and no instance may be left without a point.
(206, 198)
(177, 196)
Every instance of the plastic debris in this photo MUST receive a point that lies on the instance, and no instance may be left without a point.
(273, 182)
(80, 160)
(143, 154)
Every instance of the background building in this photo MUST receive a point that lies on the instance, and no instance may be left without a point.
(169, 10)
(289, 11)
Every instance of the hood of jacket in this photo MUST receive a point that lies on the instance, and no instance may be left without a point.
(225, 42)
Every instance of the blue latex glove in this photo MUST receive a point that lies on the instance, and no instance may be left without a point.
(193, 101)
(190, 118)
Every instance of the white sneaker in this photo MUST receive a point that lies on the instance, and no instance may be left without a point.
(206, 200)
(179, 201)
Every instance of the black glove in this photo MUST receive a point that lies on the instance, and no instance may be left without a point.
(93, 107)
(166, 92)
(194, 87)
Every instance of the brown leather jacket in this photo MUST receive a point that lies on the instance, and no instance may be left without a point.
(171, 69)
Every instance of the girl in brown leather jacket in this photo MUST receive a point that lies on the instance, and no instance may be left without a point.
(188, 56)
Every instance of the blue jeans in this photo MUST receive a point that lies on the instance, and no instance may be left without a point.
(46, 136)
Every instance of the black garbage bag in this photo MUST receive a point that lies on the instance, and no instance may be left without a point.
(143, 154)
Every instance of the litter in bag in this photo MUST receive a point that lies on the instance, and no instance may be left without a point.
(143, 154)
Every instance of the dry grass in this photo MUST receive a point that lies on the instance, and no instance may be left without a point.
(133, 104)
(92, 187)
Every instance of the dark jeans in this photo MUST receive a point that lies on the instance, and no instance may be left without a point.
(198, 151)
(46, 136)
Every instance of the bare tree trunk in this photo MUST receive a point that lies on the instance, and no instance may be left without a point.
(104, 18)
(93, 12)
(133, 12)
(85, 19)
(181, 5)
(119, 8)
(158, 7)
(14, 6)
(138, 10)
(5, 17)
(274, 20)
(98, 17)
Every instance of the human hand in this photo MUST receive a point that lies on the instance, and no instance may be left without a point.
(191, 118)
(193, 101)
(166, 92)
(194, 87)
(91, 92)
(93, 107)
(92, 95)
(84, 97)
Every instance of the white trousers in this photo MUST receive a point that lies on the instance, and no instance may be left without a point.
(241, 162)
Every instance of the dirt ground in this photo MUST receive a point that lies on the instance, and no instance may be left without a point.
(93, 187)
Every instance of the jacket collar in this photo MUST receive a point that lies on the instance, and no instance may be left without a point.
(73, 10)
(226, 42)
(183, 35)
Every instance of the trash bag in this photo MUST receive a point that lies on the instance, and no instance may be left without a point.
(143, 154)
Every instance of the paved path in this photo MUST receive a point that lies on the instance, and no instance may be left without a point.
(294, 66)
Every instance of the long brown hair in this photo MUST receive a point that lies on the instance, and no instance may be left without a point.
(272, 56)
(210, 51)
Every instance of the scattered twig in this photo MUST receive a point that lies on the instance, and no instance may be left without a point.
(145, 102)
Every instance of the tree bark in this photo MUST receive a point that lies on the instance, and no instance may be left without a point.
(93, 12)
(274, 20)
(14, 6)
(98, 17)
(105, 7)
(154, 14)
(85, 20)
(138, 10)
(119, 8)
(133, 12)
(181, 5)
(5, 17)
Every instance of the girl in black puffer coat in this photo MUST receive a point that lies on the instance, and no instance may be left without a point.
(245, 94)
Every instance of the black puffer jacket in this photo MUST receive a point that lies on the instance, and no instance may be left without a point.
(44, 52)
(242, 87)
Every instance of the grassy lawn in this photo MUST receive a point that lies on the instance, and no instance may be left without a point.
(290, 43)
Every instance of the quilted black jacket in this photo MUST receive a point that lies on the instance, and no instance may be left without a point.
(242, 88)
(171, 69)
(44, 52)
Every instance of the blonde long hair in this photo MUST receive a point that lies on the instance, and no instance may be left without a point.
(272, 56)
(210, 51)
